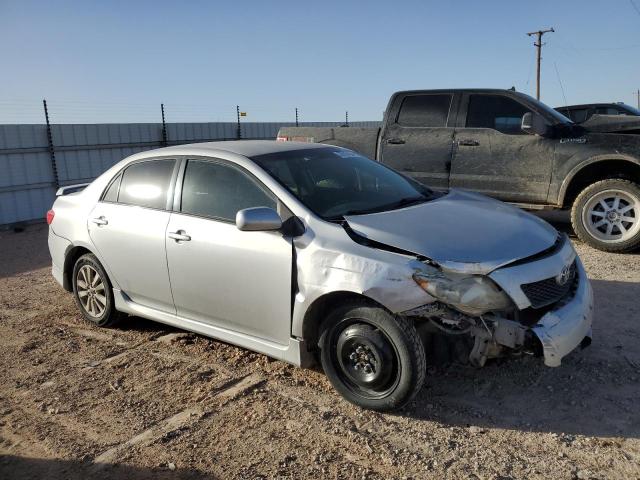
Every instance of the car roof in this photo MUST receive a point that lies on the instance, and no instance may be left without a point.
(246, 148)
(587, 105)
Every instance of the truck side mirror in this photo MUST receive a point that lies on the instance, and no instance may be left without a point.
(535, 124)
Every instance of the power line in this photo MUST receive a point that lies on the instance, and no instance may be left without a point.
(635, 7)
(560, 82)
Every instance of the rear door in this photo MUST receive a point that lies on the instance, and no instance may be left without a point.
(128, 228)
(232, 279)
(494, 156)
(417, 139)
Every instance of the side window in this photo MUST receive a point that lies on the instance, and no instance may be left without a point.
(146, 184)
(215, 190)
(579, 115)
(497, 112)
(424, 111)
(111, 193)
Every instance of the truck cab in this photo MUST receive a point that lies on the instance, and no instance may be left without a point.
(510, 146)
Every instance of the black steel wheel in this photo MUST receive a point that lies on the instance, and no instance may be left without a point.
(374, 359)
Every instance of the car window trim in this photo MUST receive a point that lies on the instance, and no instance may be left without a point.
(177, 196)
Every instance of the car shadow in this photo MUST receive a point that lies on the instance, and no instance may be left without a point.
(594, 392)
(22, 468)
(24, 250)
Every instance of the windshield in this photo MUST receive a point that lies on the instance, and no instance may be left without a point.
(557, 116)
(334, 182)
(629, 108)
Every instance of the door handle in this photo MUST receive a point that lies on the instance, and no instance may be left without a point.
(100, 220)
(179, 236)
(395, 141)
(467, 142)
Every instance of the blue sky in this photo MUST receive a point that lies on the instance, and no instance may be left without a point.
(109, 61)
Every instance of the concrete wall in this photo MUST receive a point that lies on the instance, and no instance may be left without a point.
(84, 151)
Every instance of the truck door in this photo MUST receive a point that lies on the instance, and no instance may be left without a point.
(492, 155)
(417, 140)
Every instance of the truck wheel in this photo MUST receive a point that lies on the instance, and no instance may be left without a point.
(606, 215)
(92, 292)
(372, 358)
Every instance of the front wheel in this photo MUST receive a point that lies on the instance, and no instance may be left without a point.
(606, 215)
(372, 358)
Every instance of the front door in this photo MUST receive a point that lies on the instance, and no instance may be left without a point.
(128, 228)
(492, 155)
(220, 275)
(417, 140)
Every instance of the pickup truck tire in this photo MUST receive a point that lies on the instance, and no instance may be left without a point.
(92, 292)
(606, 215)
(372, 358)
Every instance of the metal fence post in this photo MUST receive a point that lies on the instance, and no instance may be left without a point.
(164, 127)
(238, 130)
(52, 152)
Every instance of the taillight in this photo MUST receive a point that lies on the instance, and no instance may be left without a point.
(50, 215)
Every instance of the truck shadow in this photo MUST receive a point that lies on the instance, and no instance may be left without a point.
(18, 468)
(593, 393)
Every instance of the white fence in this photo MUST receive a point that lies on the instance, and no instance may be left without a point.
(84, 151)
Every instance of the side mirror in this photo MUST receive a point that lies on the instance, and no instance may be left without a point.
(258, 219)
(535, 123)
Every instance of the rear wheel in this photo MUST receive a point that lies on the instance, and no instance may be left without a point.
(606, 215)
(373, 359)
(92, 292)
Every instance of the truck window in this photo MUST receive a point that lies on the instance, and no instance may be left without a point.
(497, 112)
(579, 115)
(424, 111)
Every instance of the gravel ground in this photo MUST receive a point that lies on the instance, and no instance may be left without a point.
(147, 401)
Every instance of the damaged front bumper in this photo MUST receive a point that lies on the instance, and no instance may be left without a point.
(561, 330)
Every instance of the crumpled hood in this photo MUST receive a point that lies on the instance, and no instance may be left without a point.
(612, 124)
(461, 231)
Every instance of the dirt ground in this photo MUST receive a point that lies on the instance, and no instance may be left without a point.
(147, 401)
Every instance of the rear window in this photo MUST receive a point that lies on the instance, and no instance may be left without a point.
(424, 111)
(146, 184)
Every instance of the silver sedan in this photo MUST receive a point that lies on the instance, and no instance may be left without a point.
(303, 251)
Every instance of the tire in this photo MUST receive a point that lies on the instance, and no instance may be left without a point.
(606, 215)
(372, 358)
(95, 301)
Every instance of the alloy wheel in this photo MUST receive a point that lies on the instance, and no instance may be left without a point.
(91, 291)
(612, 216)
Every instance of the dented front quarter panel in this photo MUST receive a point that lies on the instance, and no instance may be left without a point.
(329, 261)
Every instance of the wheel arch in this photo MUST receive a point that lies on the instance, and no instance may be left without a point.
(320, 308)
(73, 253)
(596, 169)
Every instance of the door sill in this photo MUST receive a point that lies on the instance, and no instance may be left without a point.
(295, 352)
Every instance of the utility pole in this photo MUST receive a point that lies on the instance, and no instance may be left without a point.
(638, 95)
(539, 44)
(296, 116)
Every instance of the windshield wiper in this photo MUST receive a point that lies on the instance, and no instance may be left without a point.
(403, 202)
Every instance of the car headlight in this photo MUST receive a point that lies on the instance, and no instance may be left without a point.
(470, 294)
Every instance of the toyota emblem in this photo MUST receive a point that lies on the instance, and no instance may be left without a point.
(564, 276)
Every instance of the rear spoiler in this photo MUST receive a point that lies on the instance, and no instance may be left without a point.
(71, 189)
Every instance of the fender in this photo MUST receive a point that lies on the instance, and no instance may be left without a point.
(591, 160)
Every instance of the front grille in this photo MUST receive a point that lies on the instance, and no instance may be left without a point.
(548, 291)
